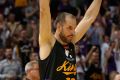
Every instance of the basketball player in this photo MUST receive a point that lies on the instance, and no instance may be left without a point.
(57, 50)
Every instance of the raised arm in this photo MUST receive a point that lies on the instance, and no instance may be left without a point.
(89, 54)
(46, 38)
(45, 20)
(87, 20)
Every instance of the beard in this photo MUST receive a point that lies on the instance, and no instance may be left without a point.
(9, 57)
(64, 38)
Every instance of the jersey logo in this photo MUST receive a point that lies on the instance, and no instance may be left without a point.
(67, 68)
(69, 57)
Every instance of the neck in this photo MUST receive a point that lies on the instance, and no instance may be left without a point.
(10, 60)
(58, 39)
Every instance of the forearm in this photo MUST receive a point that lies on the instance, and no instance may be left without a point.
(29, 14)
(45, 20)
(105, 64)
(45, 24)
(93, 10)
(87, 20)
(89, 54)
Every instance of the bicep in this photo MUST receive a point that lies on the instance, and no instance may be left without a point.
(46, 47)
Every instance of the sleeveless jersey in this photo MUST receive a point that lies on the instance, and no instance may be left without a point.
(60, 64)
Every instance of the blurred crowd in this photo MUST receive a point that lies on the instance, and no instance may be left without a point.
(97, 53)
(18, 37)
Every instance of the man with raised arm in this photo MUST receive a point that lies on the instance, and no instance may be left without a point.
(57, 50)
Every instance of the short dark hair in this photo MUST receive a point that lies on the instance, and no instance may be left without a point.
(61, 18)
(9, 47)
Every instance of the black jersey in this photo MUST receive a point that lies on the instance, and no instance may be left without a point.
(24, 49)
(60, 64)
(93, 73)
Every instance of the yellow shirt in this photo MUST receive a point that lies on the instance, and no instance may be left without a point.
(21, 3)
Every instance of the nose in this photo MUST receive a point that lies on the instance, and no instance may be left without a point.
(73, 32)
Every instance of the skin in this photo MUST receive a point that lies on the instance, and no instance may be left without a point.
(33, 74)
(8, 54)
(117, 77)
(65, 33)
(33, 57)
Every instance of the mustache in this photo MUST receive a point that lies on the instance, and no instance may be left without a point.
(70, 35)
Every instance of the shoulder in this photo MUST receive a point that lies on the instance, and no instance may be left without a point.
(3, 62)
(46, 48)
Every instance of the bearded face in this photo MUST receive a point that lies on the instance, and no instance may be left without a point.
(65, 38)
(67, 30)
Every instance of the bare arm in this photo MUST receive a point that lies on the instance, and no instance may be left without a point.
(29, 14)
(46, 38)
(45, 20)
(87, 20)
(107, 56)
(89, 54)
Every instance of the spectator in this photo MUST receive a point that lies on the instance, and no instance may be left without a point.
(13, 25)
(23, 48)
(32, 29)
(4, 31)
(31, 11)
(95, 33)
(80, 61)
(104, 48)
(33, 56)
(117, 56)
(32, 70)
(110, 65)
(104, 8)
(94, 71)
(19, 6)
(10, 69)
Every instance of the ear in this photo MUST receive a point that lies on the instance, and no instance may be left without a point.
(59, 27)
